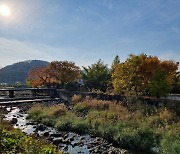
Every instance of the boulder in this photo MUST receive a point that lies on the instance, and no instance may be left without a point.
(46, 134)
(13, 121)
(56, 135)
(58, 140)
(40, 127)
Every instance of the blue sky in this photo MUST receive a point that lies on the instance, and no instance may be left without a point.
(84, 31)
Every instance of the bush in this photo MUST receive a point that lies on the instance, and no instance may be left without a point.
(142, 128)
(72, 123)
(170, 143)
(76, 99)
(14, 141)
(92, 104)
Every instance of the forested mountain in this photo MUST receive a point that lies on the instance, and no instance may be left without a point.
(18, 72)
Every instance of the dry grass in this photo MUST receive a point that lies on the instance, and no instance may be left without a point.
(76, 99)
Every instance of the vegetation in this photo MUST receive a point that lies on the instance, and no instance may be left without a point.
(139, 75)
(14, 141)
(96, 76)
(57, 72)
(140, 128)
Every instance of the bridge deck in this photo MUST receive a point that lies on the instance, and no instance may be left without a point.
(24, 101)
(26, 89)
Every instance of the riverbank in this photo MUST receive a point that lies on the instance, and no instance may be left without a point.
(69, 142)
(14, 141)
(143, 129)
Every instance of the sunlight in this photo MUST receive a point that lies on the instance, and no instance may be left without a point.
(5, 10)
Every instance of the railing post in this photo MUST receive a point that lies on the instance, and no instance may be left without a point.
(33, 92)
(11, 93)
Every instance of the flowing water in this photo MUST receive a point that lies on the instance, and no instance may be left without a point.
(67, 141)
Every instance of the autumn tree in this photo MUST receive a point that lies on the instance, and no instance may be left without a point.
(137, 72)
(96, 76)
(40, 76)
(57, 72)
(126, 78)
(64, 71)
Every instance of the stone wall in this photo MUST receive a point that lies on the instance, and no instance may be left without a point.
(126, 101)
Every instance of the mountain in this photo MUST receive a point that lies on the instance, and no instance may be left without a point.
(18, 72)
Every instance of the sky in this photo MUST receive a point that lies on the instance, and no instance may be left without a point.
(85, 31)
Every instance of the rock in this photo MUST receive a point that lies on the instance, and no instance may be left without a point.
(13, 121)
(50, 138)
(46, 134)
(66, 147)
(29, 123)
(56, 135)
(34, 126)
(40, 127)
(71, 138)
(58, 140)
(21, 111)
(74, 144)
(89, 146)
(65, 135)
(67, 141)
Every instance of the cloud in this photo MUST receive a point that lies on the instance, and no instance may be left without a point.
(171, 55)
(13, 50)
(176, 30)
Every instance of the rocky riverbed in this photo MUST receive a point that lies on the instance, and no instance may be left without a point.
(69, 142)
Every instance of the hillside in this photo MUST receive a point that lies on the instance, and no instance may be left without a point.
(18, 72)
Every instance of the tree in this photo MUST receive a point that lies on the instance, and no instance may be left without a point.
(40, 76)
(176, 84)
(65, 71)
(96, 76)
(56, 72)
(126, 76)
(136, 74)
(116, 61)
(159, 85)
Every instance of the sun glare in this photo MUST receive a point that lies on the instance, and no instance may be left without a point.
(5, 10)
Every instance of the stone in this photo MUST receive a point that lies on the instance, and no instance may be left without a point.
(40, 127)
(67, 141)
(13, 121)
(21, 111)
(46, 134)
(34, 126)
(56, 135)
(57, 140)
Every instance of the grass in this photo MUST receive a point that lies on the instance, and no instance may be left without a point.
(137, 128)
(14, 141)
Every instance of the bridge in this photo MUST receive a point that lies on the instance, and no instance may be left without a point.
(34, 91)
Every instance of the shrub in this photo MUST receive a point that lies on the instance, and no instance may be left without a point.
(14, 141)
(72, 123)
(76, 98)
(36, 112)
(92, 104)
(170, 142)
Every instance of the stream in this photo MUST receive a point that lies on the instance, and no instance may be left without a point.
(69, 142)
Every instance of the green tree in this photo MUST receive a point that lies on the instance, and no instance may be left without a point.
(159, 85)
(116, 61)
(96, 76)
(176, 84)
